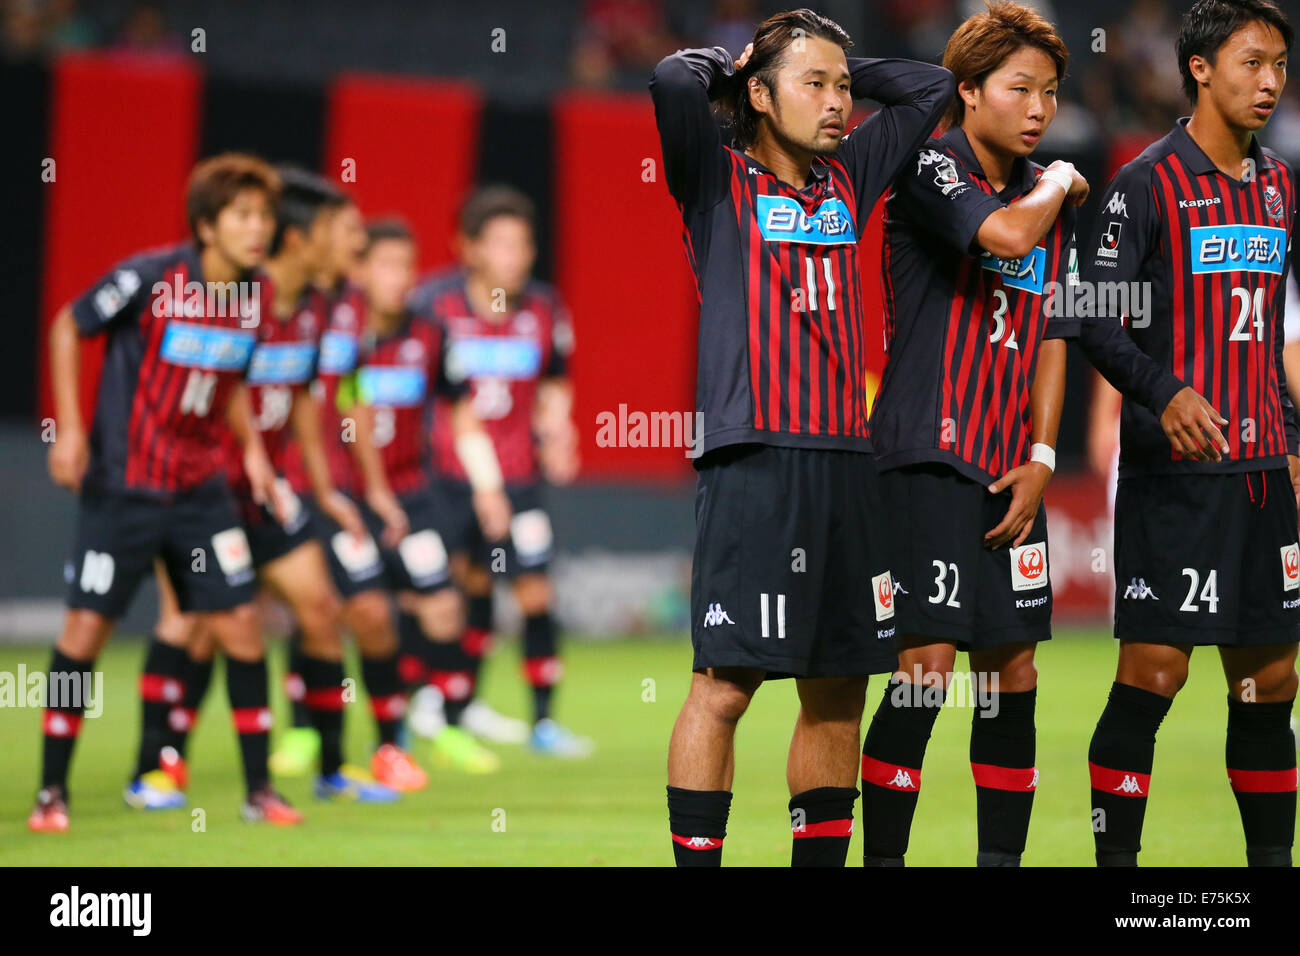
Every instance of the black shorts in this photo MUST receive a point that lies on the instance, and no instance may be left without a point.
(790, 574)
(951, 587)
(1207, 559)
(356, 566)
(197, 534)
(267, 538)
(527, 549)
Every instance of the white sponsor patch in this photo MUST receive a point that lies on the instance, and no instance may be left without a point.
(1291, 567)
(355, 554)
(423, 555)
(882, 591)
(1029, 567)
(530, 531)
(231, 548)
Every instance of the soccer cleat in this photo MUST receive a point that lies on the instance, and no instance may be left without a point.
(424, 716)
(267, 806)
(172, 763)
(454, 749)
(554, 740)
(50, 815)
(297, 753)
(393, 767)
(353, 785)
(155, 790)
(486, 724)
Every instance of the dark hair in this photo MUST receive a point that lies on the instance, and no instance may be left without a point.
(390, 228)
(771, 40)
(303, 197)
(216, 181)
(985, 41)
(1209, 25)
(488, 203)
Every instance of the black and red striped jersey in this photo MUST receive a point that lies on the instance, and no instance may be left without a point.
(284, 360)
(177, 346)
(400, 375)
(962, 327)
(339, 344)
(781, 355)
(502, 359)
(1201, 259)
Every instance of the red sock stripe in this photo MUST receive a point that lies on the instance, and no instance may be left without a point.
(411, 670)
(455, 685)
(475, 641)
(1263, 781)
(181, 718)
(391, 707)
(889, 775)
(60, 723)
(161, 689)
(1004, 778)
(324, 698)
(251, 720)
(827, 828)
(1127, 782)
(698, 843)
(542, 671)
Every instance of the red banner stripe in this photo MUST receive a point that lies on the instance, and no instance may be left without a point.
(388, 708)
(827, 828)
(251, 720)
(1004, 778)
(1127, 782)
(704, 843)
(1263, 781)
(889, 775)
(60, 723)
(161, 689)
(324, 698)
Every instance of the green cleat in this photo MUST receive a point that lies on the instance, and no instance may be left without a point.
(297, 753)
(455, 749)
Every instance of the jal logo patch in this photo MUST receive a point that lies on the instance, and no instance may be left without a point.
(782, 219)
(231, 549)
(882, 591)
(1029, 567)
(1290, 567)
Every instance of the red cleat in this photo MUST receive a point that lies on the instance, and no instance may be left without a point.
(394, 768)
(267, 806)
(173, 764)
(50, 815)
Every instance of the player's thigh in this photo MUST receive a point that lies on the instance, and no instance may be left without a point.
(113, 548)
(1158, 668)
(1262, 673)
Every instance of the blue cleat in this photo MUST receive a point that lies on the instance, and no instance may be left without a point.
(554, 740)
(353, 785)
(155, 790)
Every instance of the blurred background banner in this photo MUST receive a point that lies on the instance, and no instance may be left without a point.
(409, 104)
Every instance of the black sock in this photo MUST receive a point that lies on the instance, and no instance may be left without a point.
(1119, 765)
(822, 823)
(324, 699)
(182, 718)
(477, 640)
(412, 663)
(697, 820)
(162, 689)
(541, 664)
(1262, 770)
(1002, 762)
(246, 685)
(387, 702)
(69, 682)
(892, 755)
(449, 672)
(295, 682)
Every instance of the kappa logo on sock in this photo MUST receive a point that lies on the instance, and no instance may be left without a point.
(1128, 785)
(703, 843)
(902, 780)
(1033, 784)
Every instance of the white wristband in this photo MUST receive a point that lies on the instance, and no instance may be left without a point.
(1043, 454)
(1058, 176)
(479, 459)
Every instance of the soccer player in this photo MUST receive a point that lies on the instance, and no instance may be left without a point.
(977, 236)
(511, 337)
(1205, 521)
(402, 368)
(181, 326)
(790, 574)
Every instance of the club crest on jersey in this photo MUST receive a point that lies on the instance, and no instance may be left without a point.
(1025, 274)
(1291, 567)
(494, 356)
(1240, 247)
(392, 386)
(1273, 203)
(207, 346)
(282, 363)
(945, 170)
(338, 353)
(1029, 567)
(782, 219)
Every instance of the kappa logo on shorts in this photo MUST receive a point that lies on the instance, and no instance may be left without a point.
(716, 615)
(233, 554)
(1291, 567)
(1029, 567)
(1139, 591)
(882, 591)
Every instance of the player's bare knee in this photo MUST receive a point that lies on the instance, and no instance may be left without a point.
(238, 631)
(84, 634)
(441, 615)
(724, 698)
(1276, 681)
(369, 619)
(533, 594)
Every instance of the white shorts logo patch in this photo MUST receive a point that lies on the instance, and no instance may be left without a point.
(882, 591)
(530, 531)
(356, 555)
(1291, 567)
(1029, 567)
(231, 548)
(423, 555)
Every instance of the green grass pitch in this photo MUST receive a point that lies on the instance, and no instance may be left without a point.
(610, 810)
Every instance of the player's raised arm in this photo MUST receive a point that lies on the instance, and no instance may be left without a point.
(682, 87)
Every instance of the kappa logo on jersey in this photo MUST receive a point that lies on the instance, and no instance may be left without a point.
(1109, 248)
(494, 356)
(782, 219)
(1273, 203)
(1128, 785)
(716, 615)
(945, 170)
(882, 589)
(392, 386)
(1197, 203)
(207, 346)
(1025, 274)
(338, 352)
(1291, 567)
(1237, 248)
(282, 363)
(1029, 567)
(1137, 590)
(1116, 206)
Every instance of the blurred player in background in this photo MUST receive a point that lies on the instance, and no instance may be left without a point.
(976, 237)
(791, 574)
(509, 336)
(181, 326)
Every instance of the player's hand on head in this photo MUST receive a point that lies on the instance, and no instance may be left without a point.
(396, 525)
(1191, 425)
(69, 458)
(744, 57)
(345, 514)
(493, 511)
(1079, 189)
(1026, 485)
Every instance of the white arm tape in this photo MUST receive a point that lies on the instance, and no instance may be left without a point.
(479, 458)
(1058, 176)
(1043, 454)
